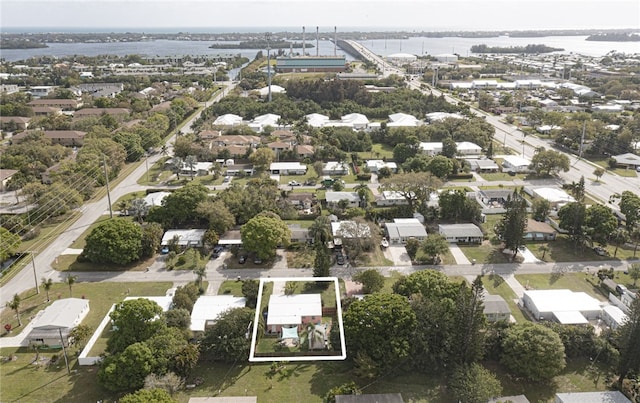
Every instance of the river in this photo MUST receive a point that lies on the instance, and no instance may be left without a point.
(414, 45)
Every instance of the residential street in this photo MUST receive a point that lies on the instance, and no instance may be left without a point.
(90, 213)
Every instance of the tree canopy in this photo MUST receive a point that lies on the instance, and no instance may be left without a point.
(136, 320)
(227, 339)
(380, 327)
(263, 233)
(533, 351)
(117, 241)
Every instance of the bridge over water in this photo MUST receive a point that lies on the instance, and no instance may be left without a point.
(361, 52)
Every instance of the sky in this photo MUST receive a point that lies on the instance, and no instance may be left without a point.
(427, 15)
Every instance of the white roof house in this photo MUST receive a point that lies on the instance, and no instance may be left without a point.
(275, 89)
(613, 316)
(610, 396)
(316, 119)
(260, 122)
(356, 120)
(515, 163)
(555, 196)
(164, 301)
(565, 306)
(391, 198)
(62, 314)
(463, 148)
(156, 198)
(208, 307)
(287, 168)
(228, 119)
(348, 229)
(376, 165)
(403, 229)
(431, 147)
(335, 168)
(290, 309)
(334, 198)
(403, 120)
(436, 116)
(58, 319)
(464, 233)
(186, 237)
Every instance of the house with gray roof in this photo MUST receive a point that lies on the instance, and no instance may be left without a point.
(628, 160)
(403, 229)
(496, 308)
(461, 233)
(334, 198)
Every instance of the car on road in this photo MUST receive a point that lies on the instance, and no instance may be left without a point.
(294, 183)
(600, 251)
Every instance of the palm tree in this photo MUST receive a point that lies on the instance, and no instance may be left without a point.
(70, 280)
(619, 237)
(191, 162)
(15, 305)
(140, 209)
(544, 249)
(47, 283)
(320, 230)
(363, 191)
(178, 164)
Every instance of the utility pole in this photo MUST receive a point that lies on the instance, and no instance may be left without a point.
(35, 275)
(269, 65)
(106, 177)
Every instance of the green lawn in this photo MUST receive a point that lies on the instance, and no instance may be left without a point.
(303, 257)
(496, 285)
(231, 287)
(485, 253)
(501, 176)
(579, 282)
(563, 250)
(156, 173)
(378, 152)
(70, 263)
(604, 163)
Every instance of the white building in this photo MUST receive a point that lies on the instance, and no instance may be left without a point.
(184, 237)
(555, 196)
(375, 166)
(334, 198)
(403, 229)
(317, 120)
(155, 198)
(610, 396)
(564, 306)
(208, 307)
(259, 123)
(228, 120)
(461, 233)
(293, 310)
(391, 198)
(335, 168)
(403, 120)
(613, 316)
(287, 168)
(59, 317)
(464, 148)
(437, 116)
(515, 163)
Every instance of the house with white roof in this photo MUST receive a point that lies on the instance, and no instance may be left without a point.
(208, 308)
(515, 163)
(228, 119)
(555, 196)
(275, 89)
(356, 120)
(287, 168)
(57, 320)
(437, 116)
(259, 123)
(403, 120)
(608, 396)
(403, 229)
(461, 233)
(290, 311)
(563, 306)
(155, 198)
(334, 198)
(391, 198)
(464, 148)
(316, 119)
(335, 168)
(375, 166)
(193, 238)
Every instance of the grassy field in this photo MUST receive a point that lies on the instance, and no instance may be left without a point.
(231, 287)
(303, 257)
(604, 163)
(378, 152)
(70, 263)
(563, 250)
(27, 382)
(579, 282)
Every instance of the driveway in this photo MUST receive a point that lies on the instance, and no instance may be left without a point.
(398, 255)
(458, 255)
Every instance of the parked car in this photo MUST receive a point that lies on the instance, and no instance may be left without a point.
(621, 289)
(164, 250)
(257, 260)
(294, 183)
(226, 179)
(242, 259)
(340, 259)
(217, 251)
(600, 251)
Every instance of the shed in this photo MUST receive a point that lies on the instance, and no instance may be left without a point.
(208, 307)
(613, 316)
